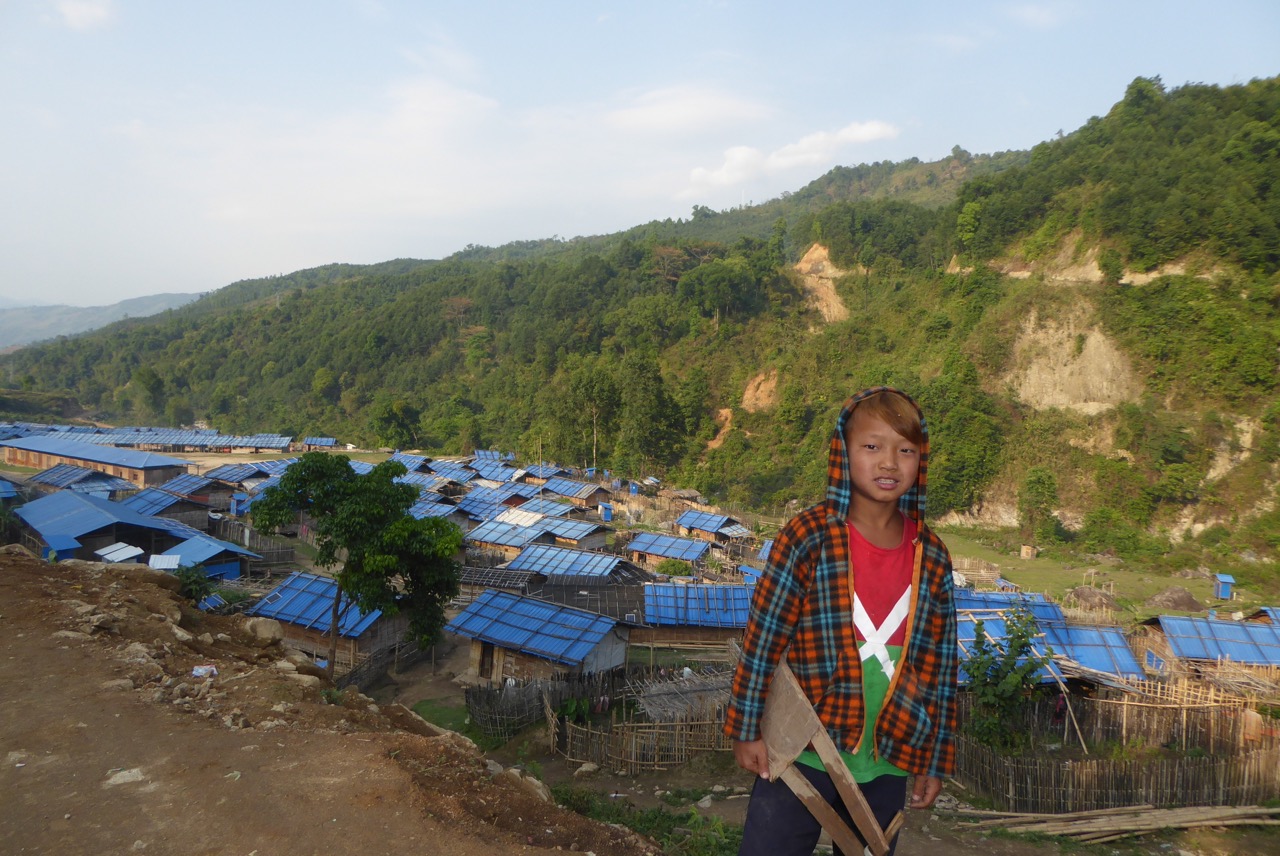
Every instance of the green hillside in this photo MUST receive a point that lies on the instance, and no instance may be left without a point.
(634, 351)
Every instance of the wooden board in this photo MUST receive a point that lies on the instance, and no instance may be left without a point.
(790, 725)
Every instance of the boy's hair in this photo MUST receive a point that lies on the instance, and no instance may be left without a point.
(895, 411)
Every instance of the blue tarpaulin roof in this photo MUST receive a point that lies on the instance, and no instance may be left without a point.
(669, 546)
(8, 489)
(479, 508)
(545, 471)
(571, 488)
(307, 601)
(564, 561)
(431, 507)
(187, 485)
(319, 441)
(1246, 642)
(91, 452)
(412, 463)
(983, 601)
(674, 604)
(150, 501)
(494, 471)
(763, 553)
(83, 479)
(237, 473)
(547, 507)
(714, 523)
(71, 515)
(561, 634)
(450, 470)
(202, 548)
(570, 530)
(993, 628)
(493, 455)
(1098, 647)
(503, 534)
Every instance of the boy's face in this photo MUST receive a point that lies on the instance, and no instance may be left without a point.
(883, 464)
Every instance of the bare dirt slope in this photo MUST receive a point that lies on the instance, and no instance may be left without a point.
(110, 745)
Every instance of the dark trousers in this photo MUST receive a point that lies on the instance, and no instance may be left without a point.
(778, 824)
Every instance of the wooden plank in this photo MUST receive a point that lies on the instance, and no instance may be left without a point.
(840, 833)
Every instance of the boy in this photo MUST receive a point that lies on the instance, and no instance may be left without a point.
(857, 594)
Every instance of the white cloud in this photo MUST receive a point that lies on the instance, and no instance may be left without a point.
(1039, 16)
(685, 109)
(85, 14)
(744, 163)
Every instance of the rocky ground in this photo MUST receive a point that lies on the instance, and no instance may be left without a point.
(132, 723)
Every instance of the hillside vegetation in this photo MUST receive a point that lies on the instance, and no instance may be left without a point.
(1100, 311)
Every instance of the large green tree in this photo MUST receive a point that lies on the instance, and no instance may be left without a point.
(385, 558)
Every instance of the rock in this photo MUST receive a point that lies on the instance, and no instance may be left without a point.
(180, 634)
(284, 666)
(585, 770)
(117, 685)
(534, 786)
(305, 680)
(705, 802)
(718, 789)
(16, 550)
(492, 766)
(264, 631)
(76, 635)
(1176, 597)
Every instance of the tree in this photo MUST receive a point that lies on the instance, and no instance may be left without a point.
(386, 559)
(1036, 500)
(1000, 677)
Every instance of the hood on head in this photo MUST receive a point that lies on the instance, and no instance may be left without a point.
(839, 490)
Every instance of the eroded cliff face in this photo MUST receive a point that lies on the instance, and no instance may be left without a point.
(1068, 362)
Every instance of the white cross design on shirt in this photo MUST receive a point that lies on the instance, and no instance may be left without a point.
(876, 638)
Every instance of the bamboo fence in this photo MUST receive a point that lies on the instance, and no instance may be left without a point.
(1048, 785)
(636, 747)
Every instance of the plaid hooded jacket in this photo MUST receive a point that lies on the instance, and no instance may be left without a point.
(803, 608)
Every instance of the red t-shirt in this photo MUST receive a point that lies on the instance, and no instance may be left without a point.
(880, 577)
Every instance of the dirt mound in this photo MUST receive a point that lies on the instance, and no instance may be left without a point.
(1088, 597)
(1176, 597)
(133, 722)
(761, 392)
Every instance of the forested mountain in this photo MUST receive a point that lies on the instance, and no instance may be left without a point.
(1100, 311)
(22, 324)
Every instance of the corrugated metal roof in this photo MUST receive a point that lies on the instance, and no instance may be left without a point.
(669, 546)
(763, 553)
(72, 477)
(423, 481)
(202, 548)
(278, 466)
(319, 441)
(362, 468)
(550, 631)
(91, 452)
(119, 552)
(307, 601)
(8, 489)
(564, 561)
(502, 534)
(213, 601)
(1246, 642)
(571, 488)
(694, 605)
(150, 501)
(163, 563)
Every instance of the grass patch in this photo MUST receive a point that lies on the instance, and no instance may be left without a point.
(684, 833)
(443, 712)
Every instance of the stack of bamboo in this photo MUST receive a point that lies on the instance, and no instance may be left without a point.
(1097, 827)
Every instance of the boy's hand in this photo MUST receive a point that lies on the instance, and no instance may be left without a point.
(925, 791)
(752, 757)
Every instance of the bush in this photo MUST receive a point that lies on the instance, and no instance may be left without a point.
(196, 585)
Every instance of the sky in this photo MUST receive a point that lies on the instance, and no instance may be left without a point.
(152, 146)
